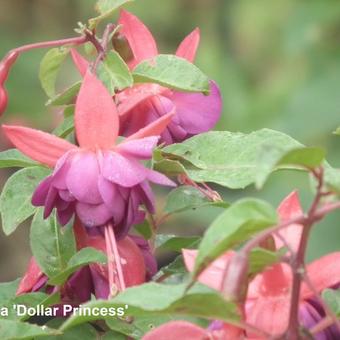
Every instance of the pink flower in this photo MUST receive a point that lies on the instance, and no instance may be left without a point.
(101, 181)
(195, 112)
(144, 103)
(268, 299)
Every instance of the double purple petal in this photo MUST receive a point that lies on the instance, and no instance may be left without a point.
(108, 186)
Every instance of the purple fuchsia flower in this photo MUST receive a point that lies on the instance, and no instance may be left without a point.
(195, 112)
(143, 104)
(98, 180)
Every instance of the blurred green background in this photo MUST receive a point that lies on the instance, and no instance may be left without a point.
(277, 63)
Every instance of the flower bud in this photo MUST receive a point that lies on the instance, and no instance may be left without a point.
(3, 99)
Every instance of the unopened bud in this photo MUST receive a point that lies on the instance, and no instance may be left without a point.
(3, 99)
(5, 65)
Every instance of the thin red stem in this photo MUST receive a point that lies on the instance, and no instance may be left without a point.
(54, 43)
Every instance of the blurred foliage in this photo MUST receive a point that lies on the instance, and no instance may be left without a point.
(277, 63)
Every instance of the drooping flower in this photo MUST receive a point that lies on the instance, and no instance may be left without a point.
(195, 112)
(101, 181)
(268, 300)
(137, 264)
(142, 104)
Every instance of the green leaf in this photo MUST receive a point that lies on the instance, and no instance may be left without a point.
(106, 8)
(175, 267)
(226, 158)
(8, 290)
(15, 199)
(83, 332)
(173, 72)
(158, 299)
(13, 158)
(80, 259)
(261, 258)
(332, 178)
(187, 197)
(337, 131)
(144, 229)
(66, 97)
(52, 245)
(275, 156)
(140, 325)
(332, 298)
(49, 68)
(241, 221)
(114, 73)
(29, 300)
(175, 243)
(69, 111)
(112, 335)
(65, 128)
(13, 329)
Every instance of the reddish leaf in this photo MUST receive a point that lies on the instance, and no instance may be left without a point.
(81, 63)
(177, 330)
(188, 47)
(153, 129)
(38, 145)
(140, 39)
(96, 117)
(31, 277)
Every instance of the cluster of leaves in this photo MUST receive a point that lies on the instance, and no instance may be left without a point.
(230, 160)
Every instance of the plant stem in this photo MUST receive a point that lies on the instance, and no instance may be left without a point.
(54, 43)
(298, 263)
(103, 45)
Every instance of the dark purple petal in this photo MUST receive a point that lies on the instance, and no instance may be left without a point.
(50, 201)
(122, 170)
(148, 197)
(79, 287)
(197, 112)
(82, 178)
(40, 193)
(61, 170)
(93, 215)
(100, 282)
(65, 215)
(112, 198)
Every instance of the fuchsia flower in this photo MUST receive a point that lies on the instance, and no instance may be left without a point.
(138, 265)
(144, 103)
(101, 181)
(268, 300)
(195, 112)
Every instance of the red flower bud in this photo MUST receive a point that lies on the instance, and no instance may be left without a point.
(3, 99)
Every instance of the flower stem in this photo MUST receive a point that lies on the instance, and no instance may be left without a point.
(298, 263)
